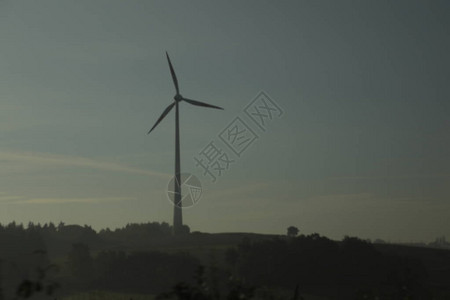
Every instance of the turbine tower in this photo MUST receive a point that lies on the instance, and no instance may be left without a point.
(177, 215)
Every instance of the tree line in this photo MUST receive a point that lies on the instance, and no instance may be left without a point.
(343, 269)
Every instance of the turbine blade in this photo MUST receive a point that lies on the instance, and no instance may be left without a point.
(195, 102)
(174, 77)
(165, 112)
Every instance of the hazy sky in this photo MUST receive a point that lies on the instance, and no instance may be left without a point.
(363, 146)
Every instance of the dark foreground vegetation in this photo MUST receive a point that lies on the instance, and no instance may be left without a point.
(51, 262)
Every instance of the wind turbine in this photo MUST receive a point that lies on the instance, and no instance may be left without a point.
(177, 216)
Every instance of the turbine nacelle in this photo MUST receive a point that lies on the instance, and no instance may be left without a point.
(178, 97)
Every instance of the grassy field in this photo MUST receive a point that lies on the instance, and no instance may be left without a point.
(104, 295)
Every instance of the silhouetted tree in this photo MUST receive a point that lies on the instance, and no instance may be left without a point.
(205, 289)
(80, 262)
(143, 271)
(184, 229)
(41, 285)
(231, 256)
(60, 226)
(292, 231)
(137, 232)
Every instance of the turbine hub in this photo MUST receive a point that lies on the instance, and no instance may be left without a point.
(178, 97)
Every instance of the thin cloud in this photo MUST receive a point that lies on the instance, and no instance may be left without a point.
(394, 177)
(44, 159)
(343, 197)
(7, 198)
(73, 200)
(248, 188)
